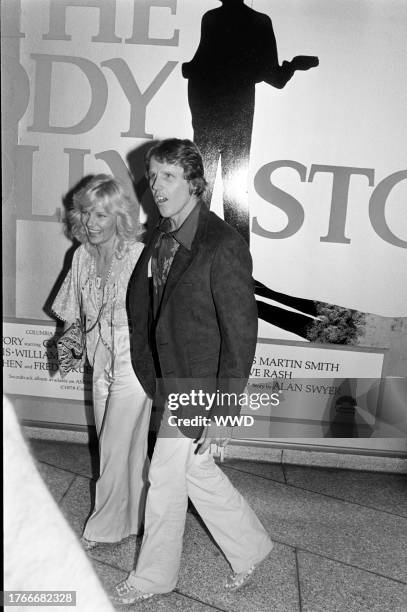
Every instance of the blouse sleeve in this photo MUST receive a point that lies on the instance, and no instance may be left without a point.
(137, 249)
(132, 256)
(66, 305)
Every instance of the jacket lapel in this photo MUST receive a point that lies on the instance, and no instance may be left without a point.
(141, 269)
(138, 293)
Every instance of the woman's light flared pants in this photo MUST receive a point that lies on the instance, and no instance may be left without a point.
(122, 415)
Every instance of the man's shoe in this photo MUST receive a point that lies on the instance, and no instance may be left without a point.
(128, 594)
(237, 580)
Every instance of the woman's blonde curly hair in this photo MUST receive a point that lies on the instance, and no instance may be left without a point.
(110, 192)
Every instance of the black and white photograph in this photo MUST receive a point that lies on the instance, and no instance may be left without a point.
(204, 209)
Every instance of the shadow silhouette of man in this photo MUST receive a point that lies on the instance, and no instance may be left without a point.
(237, 50)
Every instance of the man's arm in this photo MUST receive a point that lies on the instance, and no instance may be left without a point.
(274, 74)
(280, 75)
(233, 294)
(232, 290)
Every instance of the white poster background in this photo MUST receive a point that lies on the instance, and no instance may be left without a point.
(347, 112)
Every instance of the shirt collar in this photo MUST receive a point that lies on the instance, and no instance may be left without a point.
(185, 234)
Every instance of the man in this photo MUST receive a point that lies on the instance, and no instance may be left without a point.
(198, 321)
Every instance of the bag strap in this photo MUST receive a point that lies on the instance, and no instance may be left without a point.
(86, 331)
(83, 322)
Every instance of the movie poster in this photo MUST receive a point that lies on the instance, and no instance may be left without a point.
(298, 109)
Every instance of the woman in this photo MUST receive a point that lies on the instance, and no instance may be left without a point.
(105, 221)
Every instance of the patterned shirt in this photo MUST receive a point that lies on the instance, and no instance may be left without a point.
(165, 248)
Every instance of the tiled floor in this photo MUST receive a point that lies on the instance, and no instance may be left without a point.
(340, 537)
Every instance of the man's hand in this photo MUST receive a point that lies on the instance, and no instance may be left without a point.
(304, 62)
(211, 435)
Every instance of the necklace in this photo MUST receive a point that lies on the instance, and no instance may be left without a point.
(103, 277)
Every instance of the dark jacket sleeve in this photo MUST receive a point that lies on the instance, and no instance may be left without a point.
(232, 290)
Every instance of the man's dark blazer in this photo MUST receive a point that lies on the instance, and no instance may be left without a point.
(206, 326)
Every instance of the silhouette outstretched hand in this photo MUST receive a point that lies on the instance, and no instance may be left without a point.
(279, 76)
(304, 62)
